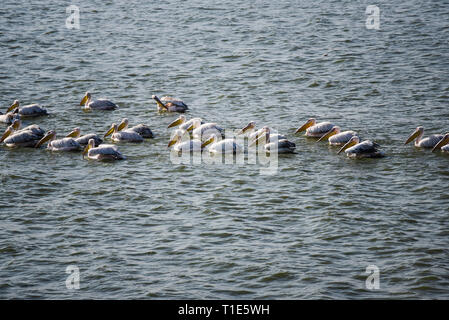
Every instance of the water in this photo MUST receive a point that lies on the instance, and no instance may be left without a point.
(148, 228)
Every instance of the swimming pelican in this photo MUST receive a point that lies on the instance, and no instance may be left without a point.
(141, 129)
(84, 139)
(315, 130)
(366, 149)
(183, 123)
(190, 145)
(124, 135)
(170, 104)
(102, 152)
(99, 104)
(428, 142)
(26, 137)
(443, 144)
(64, 144)
(250, 131)
(274, 143)
(9, 117)
(204, 131)
(30, 110)
(222, 146)
(336, 137)
(266, 133)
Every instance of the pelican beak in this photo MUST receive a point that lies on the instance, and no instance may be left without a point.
(306, 125)
(172, 142)
(159, 102)
(246, 128)
(83, 101)
(121, 125)
(73, 134)
(5, 135)
(207, 142)
(86, 149)
(110, 131)
(175, 123)
(442, 142)
(13, 106)
(189, 129)
(412, 136)
(257, 140)
(349, 144)
(15, 125)
(47, 137)
(329, 134)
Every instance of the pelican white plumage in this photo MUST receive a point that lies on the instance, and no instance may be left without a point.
(204, 131)
(124, 135)
(102, 152)
(64, 144)
(366, 149)
(9, 117)
(99, 104)
(443, 144)
(182, 122)
(336, 137)
(274, 143)
(225, 146)
(250, 131)
(28, 111)
(315, 130)
(170, 104)
(26, 137)
(187, 145)
(141, 129)
(428, 142)
(84, 139)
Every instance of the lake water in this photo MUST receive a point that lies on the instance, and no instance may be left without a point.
(147, 228)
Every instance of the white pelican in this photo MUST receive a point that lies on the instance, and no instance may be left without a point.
(64, 144)
(250, 131)
(170, 104)
(274, 143)
(222, 146)
(366, 149)
(443, 144)
(190, 145)
(183, 123)
(204, 131)
(315, 130)
(102, 152)
(266, 133)
(30, 110)
(99, 104)
(141, 129)
(84, 139)
(336, 137)
(124, 135)
(9, 117)
(428, 142)
(27, 137)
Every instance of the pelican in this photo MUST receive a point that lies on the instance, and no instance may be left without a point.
(265, 132)
(124, 135)
(204, 131)
(315, 130)
(84, 139)
(99, 104)
(443, 144)
(27, 137)
(366, 149)
(274, 143)
(30, 110)
(9, 117)
(191, 145)
(183, 123)
(170, 104)
(141, 129)
(250, 131)
(102, 152)
(428, 142)
(222, 146)
(64, 144)
(336, 137)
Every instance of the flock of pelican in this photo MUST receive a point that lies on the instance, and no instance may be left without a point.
(194, 135)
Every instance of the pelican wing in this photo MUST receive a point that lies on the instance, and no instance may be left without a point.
(32, 110)
(341, 138)
(65, 144)
(105, 152)
(430, 141)
(127, 135)
(22, 139)
(84, 140)
(174, 101)
(319, 129)
(102, 104)
(143, 130)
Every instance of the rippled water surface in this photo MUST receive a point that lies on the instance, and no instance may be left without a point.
(148, 228)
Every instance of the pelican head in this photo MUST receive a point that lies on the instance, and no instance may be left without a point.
(114, 128)
(442, 142)
(177, 136)
(211, 139)
(50, 135)
(14, 105)
(195, 124)
(178, 121)
(249, 126)
(7, 133)
(16, 124)
(352, 142)
(85, 99)
(335, 130)
(123, 124)
(415, 135)
(308, 124)
(75, 133)
(159, 102)
(90, 145)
